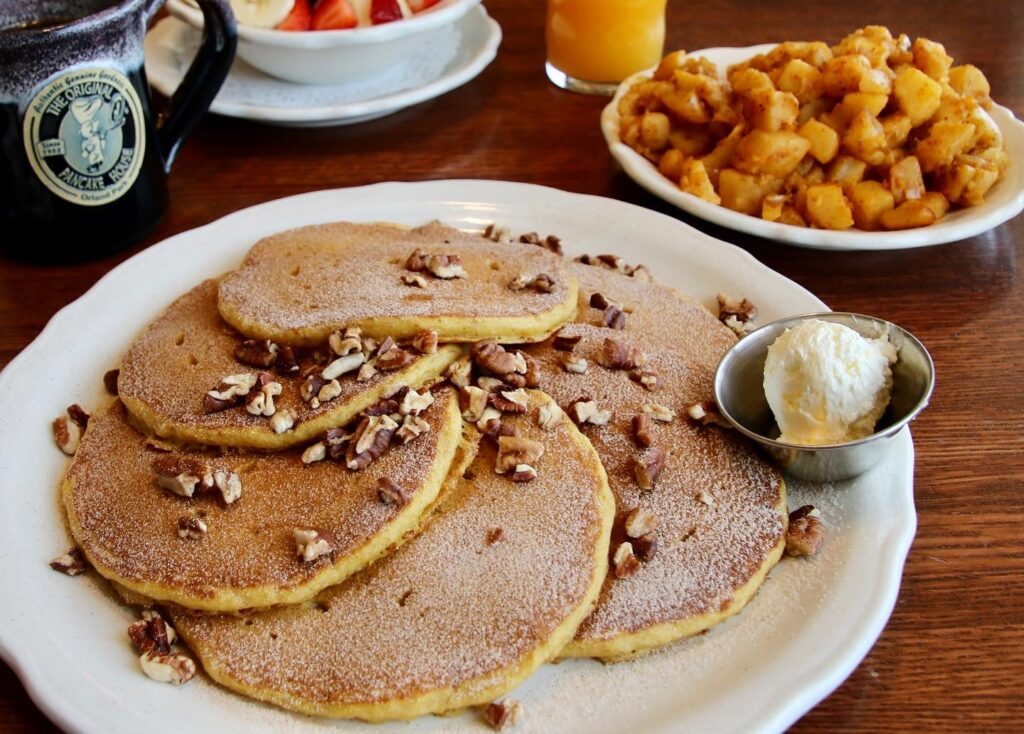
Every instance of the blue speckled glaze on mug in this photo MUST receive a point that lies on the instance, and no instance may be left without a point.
(83, 161)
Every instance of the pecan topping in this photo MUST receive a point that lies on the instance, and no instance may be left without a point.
(618, 355)
(549, 415)
(179, 474)
(67, 434)
(565, 342)
(542, 283)
(705, 498)
(494, 535)
(573, 364)
(649, 380)
(260, 400)
(586, 411)
(614, 262)
(326, 392)
(484, 424)
(494, 233)
(509, 401)
(152, 634)
(110, 380)
(391, 493)
(314, 452)
(624, 563)
(425, 342)
(229, 484)
(414, 280)
(413, 403)
(741, 309)
(494, 427)
(287, 362)
(229, 392)
(412, 427)
(190, 528)
(648, 466)
(805, 532)
(640, 522)
(77, 414)
(660, 412)
(501, 714)
(283, 420)
(311, 544)
(344, 343)
(473, 402)
(552, 243)
(645, 546)
(515, 450)
(445, 267)
(257, 353)
(367, 371)
(335, 441)
(614, 317)
(490, 384)
(643, 430)
(174, 669)
(706, 413)
(531, 378)
(71, 563)
(493, 359)
(458, 372)
(372, 437)
(387, 406)
(524, 473)
(343, 365)
(598, 300)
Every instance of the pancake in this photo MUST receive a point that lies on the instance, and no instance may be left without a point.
(299, 286)
(189, 349)
(720, 506)
(128, 526)
(458, 616)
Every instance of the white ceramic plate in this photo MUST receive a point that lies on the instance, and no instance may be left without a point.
(1004, 201)
(803, 633)
(457, 53)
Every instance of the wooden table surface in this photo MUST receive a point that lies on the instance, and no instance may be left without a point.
(952, 656)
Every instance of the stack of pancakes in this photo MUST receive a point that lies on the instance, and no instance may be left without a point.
(379, 472)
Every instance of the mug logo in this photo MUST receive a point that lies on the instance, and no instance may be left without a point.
(85, 137)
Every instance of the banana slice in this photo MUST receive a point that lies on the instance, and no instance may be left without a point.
(261, 13)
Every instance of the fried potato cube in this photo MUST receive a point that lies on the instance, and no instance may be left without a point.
(671, 164)
(897, 127)
(801, 80)
(843, 74)
(865, 138)
(872, 42)
(722, 154)
(968, 180)
(856, 102)
(908, 215)
(846, 170)
(901, 53)
(827, 207)
(746, 80)
(654, 129)
(678, 60)
(812, 109)
(771, 110)
(945, 141)
(937, 202)
(686, 105)
(791, 216)
(742, 192)
(931, 58)
(917, 95)
(968, 81)
(773, 153)
(905, 180)
(869, 200)
(642, 97)
(711, 91)
(771, 207)
(824, 140)
(691, 140)
(694, 180)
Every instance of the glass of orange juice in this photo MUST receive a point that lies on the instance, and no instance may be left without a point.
(595, 44)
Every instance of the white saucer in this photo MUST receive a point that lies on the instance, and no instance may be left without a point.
(456, 54)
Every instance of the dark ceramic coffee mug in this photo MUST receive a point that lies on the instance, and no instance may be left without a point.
(84, 162)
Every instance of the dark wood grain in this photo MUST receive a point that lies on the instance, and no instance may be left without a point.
(952, 657)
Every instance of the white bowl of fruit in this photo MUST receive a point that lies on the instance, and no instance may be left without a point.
(329, 41)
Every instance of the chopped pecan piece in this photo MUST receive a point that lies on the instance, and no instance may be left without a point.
(191, 528)
(741, 309)
(706, 413)
(493, 427)
(335, 441)
(572, 363)
(257, 353)
(516, 450)
(490, 384)
(705, 498)
(552, 243)
(542, 283)
(643, 430)
(531, 378)
(641, 272)
(343, 365)
(229, 484)
(326, 394)
(484, 424)
(586, 411)
(613, 261)
(229, 392)
(524, 473)
(391, 493)
(614, 317)
(509, 401)
(282, 420)
(175, 669)
(549, 415)
(645, 546)
(412, 427)
(618, 355)
(425, 342)
(563, 342)
(492, 358)
(445, 267)
(660, 412)
(311, 544)
(599, 301)
(640, 522)
(458, 372)
(494, 535)
(344, 343)
(648, 466)
(624, 563)
(502, 714)
(179, 474)
(67, 434)
(260, 400)
(472, 402)
(152, 634)
(392, 358)
(414, 280)
(805, 532)
(71, 563)
(494, 233)
(110, 380)
(367, 371)
(287, 363)
(648, 379)
(372, 438)
(414, 403)
(77, 413)
(314, 452)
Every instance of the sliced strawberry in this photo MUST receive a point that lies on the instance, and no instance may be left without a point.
(384, 11)
(418, 5)
(299, 19)
(329, 15)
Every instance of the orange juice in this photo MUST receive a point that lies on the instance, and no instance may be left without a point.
(604, 40)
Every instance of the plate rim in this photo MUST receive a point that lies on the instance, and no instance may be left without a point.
(951, 229)
(358, 111)
(28, 664)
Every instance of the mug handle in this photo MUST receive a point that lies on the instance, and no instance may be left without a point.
(204, 77)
